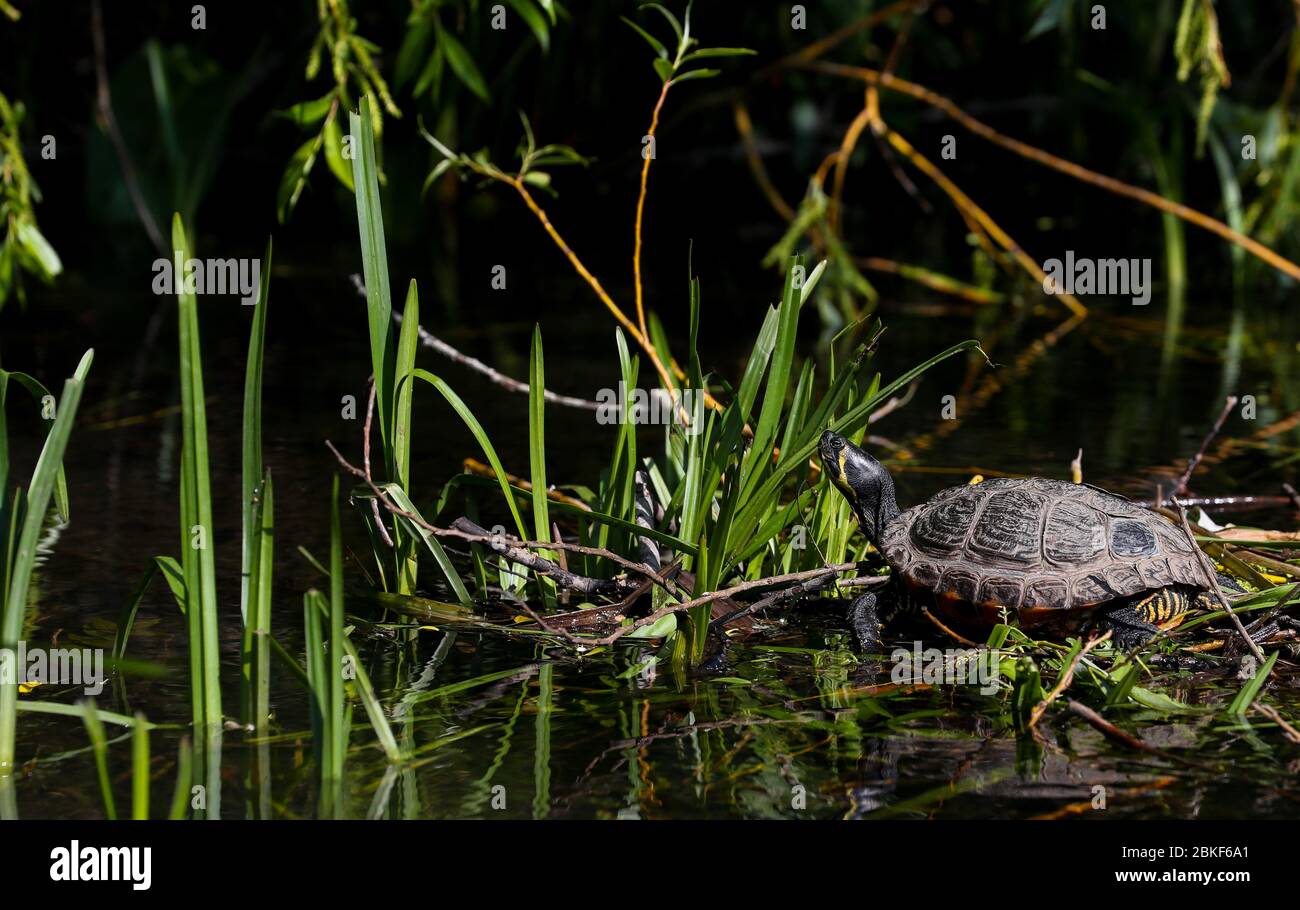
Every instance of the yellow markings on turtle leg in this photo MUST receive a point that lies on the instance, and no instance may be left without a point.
(1163, 606)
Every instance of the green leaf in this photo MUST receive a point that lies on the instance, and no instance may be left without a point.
(333, 141)
(695, 74)
(534, 19)
(1048, 19)
(480, 434)
(407, 344)
(308, 113)
(13, 607)
(374, 263)
(664, 69)
(462, 64)
(39, 249)
(251, 463)
(295, 178)
(417, 531)
(718, 52)
(660, 628)
(672, 20)
(654, 42)
(39, 393)
(198, 564)
(1250, 691)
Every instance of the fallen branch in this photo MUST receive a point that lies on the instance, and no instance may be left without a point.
(801, 589)
(433, 342)
(1118, 187)
(591, 587)
(658, 577)
(1110, 731)
(383, 499)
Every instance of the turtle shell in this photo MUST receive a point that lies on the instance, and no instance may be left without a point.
(1034, 546)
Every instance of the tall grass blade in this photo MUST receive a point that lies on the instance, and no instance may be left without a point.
(252, 439)
(140, 768)
(408, 342)
(480, 434)
(255, 655)
(374, 263)
(13, 607)
(99, 743)
(336, 649)
(537, 452)
(184, 776)
(196, 506)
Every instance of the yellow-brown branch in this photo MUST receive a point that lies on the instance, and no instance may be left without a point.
(1118, 187)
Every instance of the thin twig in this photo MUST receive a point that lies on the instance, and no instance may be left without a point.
(563, 577)
(104, 108)
(1223, 503)
(365, 460)
(1228, 405)
(433, 342)
(1292, 494)
(379, 494)
(817, 48)
(920, 93)
(1066, 678)
(1111, 731)
(803, 588)
(1213, 578)
(647, 155)
(965, 203)
(947, 631)
(1272, 714)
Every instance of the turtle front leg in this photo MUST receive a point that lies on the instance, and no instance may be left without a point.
(868, 614)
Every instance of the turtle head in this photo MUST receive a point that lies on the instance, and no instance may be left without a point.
(865, 483)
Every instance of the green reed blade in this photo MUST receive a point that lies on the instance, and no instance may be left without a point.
(184, 776)
(466, 415)
(537, 453)
(140, 768)
(39, 491)
(196, 510)
(99, 742)
(252, 439)
(374, 263)
(407, 557)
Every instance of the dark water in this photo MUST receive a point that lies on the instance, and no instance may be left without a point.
(797, 725)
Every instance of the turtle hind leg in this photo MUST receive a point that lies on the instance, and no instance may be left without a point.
(1128, 626)
(1136, 621)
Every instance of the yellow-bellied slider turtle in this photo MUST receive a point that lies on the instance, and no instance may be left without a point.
(1055, 556)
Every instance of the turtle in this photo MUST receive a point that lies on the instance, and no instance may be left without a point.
(1060, 558)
